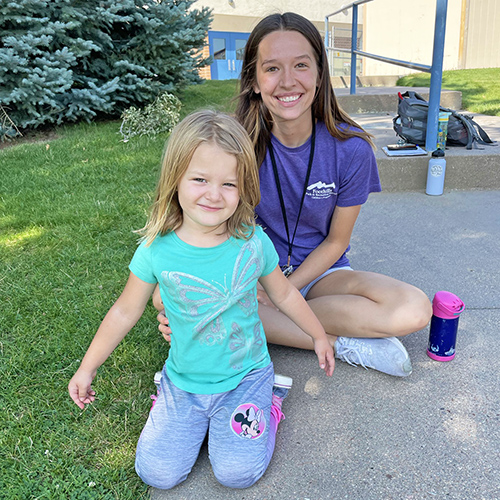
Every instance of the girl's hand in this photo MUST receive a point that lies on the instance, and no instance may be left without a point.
(80, 389)
(164, 327)
(325, 355)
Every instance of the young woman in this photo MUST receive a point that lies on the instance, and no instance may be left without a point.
(202, 247)
(317, 168)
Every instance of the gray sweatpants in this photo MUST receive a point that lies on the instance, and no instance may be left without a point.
(241, 432)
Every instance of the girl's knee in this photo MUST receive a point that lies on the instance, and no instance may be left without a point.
(156, 477)
(238, 470)
(236, 477)
(158, 470)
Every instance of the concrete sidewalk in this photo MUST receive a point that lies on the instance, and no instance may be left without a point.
(363, 435)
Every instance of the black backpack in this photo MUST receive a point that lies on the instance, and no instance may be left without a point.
(411, 124)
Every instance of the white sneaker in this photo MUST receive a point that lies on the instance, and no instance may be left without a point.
(154, 397)
(387, 355)
(282, 381)
(157, 379)
(282, 384)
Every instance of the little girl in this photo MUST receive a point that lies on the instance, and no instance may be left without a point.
(202, 247)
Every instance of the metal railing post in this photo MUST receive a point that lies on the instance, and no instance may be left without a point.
(354, 47)
(327, 45)
(436, 76)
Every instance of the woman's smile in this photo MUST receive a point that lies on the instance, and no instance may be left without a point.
(287, 76)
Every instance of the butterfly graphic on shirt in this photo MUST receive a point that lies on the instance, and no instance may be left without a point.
(243, 345)
(205, 301)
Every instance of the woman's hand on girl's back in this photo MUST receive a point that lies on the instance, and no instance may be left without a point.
(164, 326)
(263, 298)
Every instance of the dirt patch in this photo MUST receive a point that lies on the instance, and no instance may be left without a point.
(31, 136)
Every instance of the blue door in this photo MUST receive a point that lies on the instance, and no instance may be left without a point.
(227, 51)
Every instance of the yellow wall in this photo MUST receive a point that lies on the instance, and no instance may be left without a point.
(481, 41)
(392, 28)
(402, 31)
(314, 10)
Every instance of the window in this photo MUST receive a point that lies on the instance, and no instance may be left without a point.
(219, 48)
(240, 49)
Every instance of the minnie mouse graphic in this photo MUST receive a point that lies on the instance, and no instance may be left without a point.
(247, 421)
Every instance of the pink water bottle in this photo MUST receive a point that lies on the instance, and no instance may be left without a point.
(446, 309)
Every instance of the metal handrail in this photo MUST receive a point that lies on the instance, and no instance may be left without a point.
(345, 7)
(436, 69)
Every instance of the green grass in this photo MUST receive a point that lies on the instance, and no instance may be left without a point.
(212, 94)
(68, 207)
(480, 87)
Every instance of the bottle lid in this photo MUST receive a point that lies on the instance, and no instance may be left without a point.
(447, 305)
(439, 153)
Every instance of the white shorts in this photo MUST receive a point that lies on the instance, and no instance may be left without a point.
(305, 290)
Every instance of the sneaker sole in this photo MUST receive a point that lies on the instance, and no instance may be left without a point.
(282, 381)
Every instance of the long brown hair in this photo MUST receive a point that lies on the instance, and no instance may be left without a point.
(252, 112)
(205, 126)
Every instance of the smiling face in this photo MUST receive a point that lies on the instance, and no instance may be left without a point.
(208, 194)
(286, 79)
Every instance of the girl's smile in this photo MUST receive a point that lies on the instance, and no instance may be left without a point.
(208, 193)
(287, 76)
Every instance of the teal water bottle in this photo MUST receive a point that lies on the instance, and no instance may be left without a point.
(436, 173)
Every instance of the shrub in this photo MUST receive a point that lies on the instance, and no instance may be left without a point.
(68, 60)
(160, 116)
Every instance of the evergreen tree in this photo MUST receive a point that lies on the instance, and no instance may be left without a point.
(66, 60)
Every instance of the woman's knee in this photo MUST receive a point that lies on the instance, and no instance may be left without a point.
(414, 311)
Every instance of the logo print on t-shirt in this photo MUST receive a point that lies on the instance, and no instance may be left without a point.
(319, 190)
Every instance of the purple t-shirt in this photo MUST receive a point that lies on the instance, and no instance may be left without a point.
(343, 173)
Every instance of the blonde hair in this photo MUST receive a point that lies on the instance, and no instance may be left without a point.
(205, 126)
(252, 112)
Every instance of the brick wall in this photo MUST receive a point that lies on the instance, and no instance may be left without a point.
(205, 72)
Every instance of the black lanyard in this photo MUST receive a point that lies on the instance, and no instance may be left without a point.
(289, 268)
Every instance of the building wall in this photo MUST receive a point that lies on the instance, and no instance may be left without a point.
(481, 34)
(314, 10)
(241, 16)
(406, 33)
(205, 71)
(392, 28)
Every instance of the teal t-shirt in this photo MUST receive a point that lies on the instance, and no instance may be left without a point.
(210, 299)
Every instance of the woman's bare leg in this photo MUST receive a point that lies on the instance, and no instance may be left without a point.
(365, 304)
(281, 330)
(354, 304)
(363, 313)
